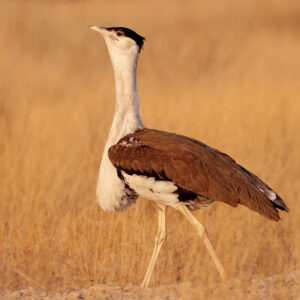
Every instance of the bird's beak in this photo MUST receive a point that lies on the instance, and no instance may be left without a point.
(98, 28)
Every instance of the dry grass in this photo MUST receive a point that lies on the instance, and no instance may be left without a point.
(225, 72)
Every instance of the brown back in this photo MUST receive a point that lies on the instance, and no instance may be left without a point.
(192, 166)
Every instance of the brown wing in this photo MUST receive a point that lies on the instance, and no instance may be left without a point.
(192, 166)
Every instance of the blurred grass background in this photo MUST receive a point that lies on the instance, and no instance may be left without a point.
(225, 72)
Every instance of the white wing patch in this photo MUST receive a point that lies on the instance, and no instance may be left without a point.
(156, 190)
(271, 195)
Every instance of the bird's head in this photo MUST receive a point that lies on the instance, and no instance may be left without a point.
(121, 42)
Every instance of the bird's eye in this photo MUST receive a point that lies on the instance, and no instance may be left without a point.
(119, 33)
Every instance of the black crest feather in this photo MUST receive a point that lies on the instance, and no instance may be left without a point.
(123, 31)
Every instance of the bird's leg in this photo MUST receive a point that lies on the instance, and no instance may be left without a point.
(159, 241)
(203, 235)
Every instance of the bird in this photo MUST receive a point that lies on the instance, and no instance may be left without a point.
(169, 169)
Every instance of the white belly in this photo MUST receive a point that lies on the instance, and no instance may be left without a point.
(111, 193)
(155, 190)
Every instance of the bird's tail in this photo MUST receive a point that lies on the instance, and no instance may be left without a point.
(264, 189)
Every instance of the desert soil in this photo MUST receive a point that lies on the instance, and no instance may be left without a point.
(265, 288)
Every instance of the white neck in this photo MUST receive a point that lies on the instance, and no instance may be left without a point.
(127, 117)
(111, 193)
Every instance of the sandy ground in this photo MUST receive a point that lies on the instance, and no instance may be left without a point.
(265, 288)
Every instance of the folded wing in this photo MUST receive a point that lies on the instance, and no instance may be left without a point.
(194, 167)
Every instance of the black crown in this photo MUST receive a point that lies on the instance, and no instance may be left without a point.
(123, 31)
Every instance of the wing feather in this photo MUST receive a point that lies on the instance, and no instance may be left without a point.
(193, 166)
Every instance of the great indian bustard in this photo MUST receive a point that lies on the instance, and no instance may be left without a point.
(167, 168)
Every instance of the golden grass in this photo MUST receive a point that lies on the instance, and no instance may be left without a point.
(225, 72)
